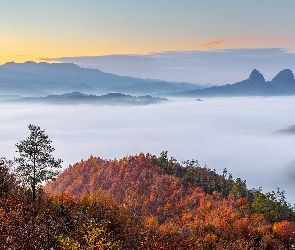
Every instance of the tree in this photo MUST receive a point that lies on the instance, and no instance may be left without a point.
(36, 164)
(7, 180)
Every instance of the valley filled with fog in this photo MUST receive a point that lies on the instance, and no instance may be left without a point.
(239, 134)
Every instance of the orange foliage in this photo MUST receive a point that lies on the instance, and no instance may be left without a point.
(136, 181)
(171, 213)
(285, 231)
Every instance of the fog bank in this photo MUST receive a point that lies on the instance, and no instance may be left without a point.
(233, 133)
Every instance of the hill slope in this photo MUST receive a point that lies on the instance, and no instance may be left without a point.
(149, 184)
(137, 181)
(182, 207)
(39, 79)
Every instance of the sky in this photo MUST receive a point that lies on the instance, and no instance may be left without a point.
(40, 30)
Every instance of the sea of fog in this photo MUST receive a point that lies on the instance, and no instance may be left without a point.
(234, 133)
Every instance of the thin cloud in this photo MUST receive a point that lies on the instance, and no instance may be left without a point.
(214, 43)
(46, 59)
(288, 39)
(269, 38)
(228, 65)
(51, 60)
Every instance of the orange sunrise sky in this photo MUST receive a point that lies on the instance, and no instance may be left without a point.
(33, 30)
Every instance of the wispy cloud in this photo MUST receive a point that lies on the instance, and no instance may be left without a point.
(215, 66)
(51, 60)
(276, 38)
(268, 38)
(215, 42)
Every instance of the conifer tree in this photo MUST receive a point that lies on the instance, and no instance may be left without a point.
(36, 164)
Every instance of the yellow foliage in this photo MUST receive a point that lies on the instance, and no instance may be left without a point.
(168, 228)
(151, 221)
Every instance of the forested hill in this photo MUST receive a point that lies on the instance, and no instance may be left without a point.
(138, 181)
(155, 203)
(162, 187)
(80, 98)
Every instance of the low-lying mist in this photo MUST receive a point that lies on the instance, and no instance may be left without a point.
(234, 133)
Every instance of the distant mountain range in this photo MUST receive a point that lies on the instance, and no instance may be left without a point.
(32, 79)
(80, 98)
(41, 79)
(282, 84)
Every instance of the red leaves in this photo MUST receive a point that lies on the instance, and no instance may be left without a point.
(171, 212)
(285, 231)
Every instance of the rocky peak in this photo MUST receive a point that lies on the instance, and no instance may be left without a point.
(256, 76)
(285, 75)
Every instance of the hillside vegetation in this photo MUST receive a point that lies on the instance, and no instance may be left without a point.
(178, 206)
(141, 202)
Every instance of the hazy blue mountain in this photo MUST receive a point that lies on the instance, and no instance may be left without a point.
(282, 84)
(81, 98)
(289, 130)
(41, 79)
(284, 76)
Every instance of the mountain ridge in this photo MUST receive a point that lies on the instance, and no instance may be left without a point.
(56, 78)
(282, 84)
(42, 79)
(81, 98)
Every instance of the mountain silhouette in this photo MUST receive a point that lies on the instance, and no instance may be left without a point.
(41, 79)
(256, 76)
(79, 98)
(284, 76)
(282, 84)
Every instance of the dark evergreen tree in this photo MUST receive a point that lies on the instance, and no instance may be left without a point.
(36, 164)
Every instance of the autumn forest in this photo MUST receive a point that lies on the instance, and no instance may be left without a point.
(170, 125)
(141, 202)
